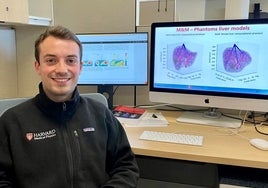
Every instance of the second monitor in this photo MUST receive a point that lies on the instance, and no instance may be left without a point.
(114, 59)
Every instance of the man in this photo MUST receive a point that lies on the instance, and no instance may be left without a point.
(58, 138)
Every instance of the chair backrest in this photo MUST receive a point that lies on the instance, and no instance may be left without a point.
(8, 103)
(96, 96)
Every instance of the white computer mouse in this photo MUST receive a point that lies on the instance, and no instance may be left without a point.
(259, 143)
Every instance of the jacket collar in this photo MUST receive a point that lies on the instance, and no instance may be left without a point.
(59, 111)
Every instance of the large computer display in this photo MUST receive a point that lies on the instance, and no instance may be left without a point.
(114, 59)
(214, 64)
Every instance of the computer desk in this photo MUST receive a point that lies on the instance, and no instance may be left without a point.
(224, 146)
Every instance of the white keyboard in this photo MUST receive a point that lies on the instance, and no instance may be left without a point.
(196, 140)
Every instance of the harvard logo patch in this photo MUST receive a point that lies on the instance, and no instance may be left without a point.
(41, 135)
(29, 136)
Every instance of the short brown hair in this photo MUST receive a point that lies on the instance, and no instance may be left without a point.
(57, 32)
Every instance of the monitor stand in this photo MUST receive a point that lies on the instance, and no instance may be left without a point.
(108, 92)
(210, 117)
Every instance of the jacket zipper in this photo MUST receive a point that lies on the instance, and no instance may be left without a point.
(77, 146)
(68, 148)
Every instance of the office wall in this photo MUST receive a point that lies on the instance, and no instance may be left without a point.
(8, 68)
(28, 79)
(95, 16)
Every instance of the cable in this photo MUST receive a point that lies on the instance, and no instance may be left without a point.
(115, 90)
(255, 124)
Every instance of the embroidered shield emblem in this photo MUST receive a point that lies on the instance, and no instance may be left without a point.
(29, 136)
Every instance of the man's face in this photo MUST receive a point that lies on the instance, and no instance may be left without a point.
(59, 67)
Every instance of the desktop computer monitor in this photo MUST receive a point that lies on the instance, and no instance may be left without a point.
(213, 64)
(114, 59)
